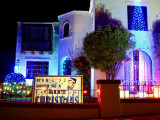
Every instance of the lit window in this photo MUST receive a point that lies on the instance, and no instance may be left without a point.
(137, 18)
(36, 68)
(66, 30)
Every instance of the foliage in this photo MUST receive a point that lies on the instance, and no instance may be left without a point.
(106, 48)
(81, 65)
(103, 17)
(156, 37)
(14, 77)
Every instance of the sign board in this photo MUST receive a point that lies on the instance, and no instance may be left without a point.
(58, 89)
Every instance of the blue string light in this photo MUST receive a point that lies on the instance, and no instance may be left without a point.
(14, 77)
(137, 18)
(67, 67)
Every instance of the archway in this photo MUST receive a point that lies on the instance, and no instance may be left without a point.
(138, 68)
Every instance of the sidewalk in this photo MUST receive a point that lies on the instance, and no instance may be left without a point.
(147, 117)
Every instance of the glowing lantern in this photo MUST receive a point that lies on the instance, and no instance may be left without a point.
(124, 94)
(85, 91)
(98, 91)
(142, 94)
(157, 92)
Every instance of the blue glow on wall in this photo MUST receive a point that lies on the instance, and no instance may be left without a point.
(67, 67)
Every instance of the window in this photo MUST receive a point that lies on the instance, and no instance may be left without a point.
(36, 68)
(37, 37)
(66, 30)
(137, 18)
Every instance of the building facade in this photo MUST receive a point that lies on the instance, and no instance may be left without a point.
(138, 17)
(37, 49)
(48, 48)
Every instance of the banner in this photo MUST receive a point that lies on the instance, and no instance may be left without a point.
(58, 89)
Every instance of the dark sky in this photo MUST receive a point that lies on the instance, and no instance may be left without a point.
(34, 11)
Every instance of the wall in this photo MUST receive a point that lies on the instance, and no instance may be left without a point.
(134, 109)
(82, 25)
(71, 46)
(33, 111)
(65, 43)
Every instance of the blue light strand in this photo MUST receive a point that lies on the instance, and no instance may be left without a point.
(138, 20)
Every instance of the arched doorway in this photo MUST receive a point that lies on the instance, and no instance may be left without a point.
(138, 68)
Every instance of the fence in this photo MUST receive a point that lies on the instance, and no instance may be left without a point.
(133, 90)
(130, 90)
(47, 96)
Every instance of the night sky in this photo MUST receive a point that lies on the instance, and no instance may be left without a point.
(29, 11)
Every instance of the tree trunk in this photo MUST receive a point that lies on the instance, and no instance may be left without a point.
(107, 76)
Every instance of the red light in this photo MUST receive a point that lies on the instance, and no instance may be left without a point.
(61, 91)
(85, 91)
(98, 90)
(133, 87)
(21, 87)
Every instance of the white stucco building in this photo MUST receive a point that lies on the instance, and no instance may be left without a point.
(143, 66)
(48, 48)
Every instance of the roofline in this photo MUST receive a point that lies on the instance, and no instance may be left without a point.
(37, 22)
(73, 12)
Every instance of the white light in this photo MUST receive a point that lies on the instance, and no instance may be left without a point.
(157, 92)
(29, 81)
(92, 82)
(137, 0)
(124, 94)
(158, 16)
(142, 94)
(16, 69)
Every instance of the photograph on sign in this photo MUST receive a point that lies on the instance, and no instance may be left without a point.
(58, 89)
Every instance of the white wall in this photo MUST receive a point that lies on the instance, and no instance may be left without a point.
(71, 46)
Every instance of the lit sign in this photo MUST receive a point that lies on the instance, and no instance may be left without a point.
(58, 89)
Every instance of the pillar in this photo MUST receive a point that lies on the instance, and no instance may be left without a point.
(109, 98)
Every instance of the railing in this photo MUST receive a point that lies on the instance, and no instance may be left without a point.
(139, 90)
(48, 96)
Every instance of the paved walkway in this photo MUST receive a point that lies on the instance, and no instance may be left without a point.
(148, 117)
